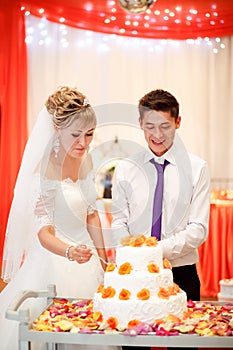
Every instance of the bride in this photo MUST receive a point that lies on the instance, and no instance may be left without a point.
(54, 233)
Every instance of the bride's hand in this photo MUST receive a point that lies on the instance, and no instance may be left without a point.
(80, 253)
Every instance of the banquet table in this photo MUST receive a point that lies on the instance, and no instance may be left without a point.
(27, 334)
(216, 254)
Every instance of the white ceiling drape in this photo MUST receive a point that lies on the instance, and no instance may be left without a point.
(116, 72)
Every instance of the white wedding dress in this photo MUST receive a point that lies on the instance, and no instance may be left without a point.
(67, 204)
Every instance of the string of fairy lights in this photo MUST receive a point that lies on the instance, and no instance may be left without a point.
(38, 32)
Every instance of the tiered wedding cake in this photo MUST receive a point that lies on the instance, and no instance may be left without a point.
(140, 285)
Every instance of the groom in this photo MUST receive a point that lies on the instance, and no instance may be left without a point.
(185, 199)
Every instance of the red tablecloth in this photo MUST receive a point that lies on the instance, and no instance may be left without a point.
(216, 254)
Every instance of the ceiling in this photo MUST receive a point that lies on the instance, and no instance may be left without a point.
(165, 19)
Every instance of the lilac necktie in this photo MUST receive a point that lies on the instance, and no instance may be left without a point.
(158, 199)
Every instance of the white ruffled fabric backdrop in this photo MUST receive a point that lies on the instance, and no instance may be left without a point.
(115, 71)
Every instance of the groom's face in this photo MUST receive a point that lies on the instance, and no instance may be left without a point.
(159, 130)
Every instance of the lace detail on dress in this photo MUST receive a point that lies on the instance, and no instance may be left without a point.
(44, 193)
(44, 202)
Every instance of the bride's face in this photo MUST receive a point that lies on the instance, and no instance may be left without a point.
(76, 138)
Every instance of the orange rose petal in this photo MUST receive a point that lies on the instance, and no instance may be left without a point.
(173, 318)
(97, 316)
(159, 321)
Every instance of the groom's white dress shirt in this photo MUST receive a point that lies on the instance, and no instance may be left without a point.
(186, 201)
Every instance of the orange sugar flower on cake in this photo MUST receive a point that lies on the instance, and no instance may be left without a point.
(110, 267)
(112, 322)
(100, 288)
(153, 268)
(108, 292)
(127, 240)
(133, 323)
(124, 294)
(165, 293)
(125, 269)
(167, 264)
(176, 288)
(139, 240)
(151, 241)
(144, 294)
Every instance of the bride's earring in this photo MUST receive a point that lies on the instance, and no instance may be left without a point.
(56, 147)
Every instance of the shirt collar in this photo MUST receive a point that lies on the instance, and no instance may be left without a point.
(169, 156)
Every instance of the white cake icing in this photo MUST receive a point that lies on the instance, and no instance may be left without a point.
(140, 277)
(139, 257)
(138, 280)
(226, 290)
(144, 310)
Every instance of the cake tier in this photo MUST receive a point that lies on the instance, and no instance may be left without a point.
(139, 257)
(142, 310)
(135, 281)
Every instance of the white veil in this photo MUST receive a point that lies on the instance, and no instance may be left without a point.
(19, 235)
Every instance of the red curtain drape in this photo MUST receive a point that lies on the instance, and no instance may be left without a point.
(13, 103)
(212, 19)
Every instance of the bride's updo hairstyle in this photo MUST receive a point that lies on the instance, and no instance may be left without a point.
(67, 104)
